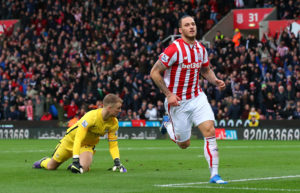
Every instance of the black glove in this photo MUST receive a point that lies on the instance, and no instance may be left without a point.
(76, 167)
(118, 166)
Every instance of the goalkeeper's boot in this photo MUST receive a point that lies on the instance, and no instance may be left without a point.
(162, 127)
(217, 180)
(37, 164)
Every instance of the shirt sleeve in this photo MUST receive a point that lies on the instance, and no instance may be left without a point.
(83, 125)
(169, 56)
(80, 135)
(113, 142)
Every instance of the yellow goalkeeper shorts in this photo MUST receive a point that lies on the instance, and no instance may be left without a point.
(64, 151)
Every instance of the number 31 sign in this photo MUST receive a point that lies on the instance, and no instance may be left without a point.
(249, 18)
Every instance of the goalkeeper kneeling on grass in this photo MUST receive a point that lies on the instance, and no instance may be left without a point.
(81, 138)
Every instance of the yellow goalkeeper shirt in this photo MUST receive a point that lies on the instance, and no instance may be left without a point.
(89, 128)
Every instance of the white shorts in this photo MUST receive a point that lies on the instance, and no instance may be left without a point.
(190, 113)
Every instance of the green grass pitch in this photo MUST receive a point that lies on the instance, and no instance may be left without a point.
(155, 166)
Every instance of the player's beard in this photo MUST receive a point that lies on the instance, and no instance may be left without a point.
(190, 37)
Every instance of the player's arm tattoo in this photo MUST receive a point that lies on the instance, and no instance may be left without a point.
(208, 74)
(156, 75)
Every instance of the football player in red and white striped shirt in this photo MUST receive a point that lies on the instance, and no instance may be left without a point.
(177, 74)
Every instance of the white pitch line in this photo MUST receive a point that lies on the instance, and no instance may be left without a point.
(240, 180)
(25, 151)
(240, 188)
(260, 146)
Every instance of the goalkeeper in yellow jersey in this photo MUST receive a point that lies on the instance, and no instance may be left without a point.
(81, 138)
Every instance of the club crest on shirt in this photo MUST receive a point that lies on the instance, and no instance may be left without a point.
(84, 123)
(164, 57)
(199, 57)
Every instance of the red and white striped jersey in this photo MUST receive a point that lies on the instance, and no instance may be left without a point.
(183, 62)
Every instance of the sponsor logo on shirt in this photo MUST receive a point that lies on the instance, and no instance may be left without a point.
(193, 65)
(84, 123)
(164, 58)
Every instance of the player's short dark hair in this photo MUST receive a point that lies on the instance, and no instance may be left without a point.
(180, 20)
(111, 99)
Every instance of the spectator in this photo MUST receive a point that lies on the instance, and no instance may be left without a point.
(236, 37)
(73, 120)
(31, 92)
(270, 106)
(213, 10)
(128, 116)
(71, 109)
(261, 116)
(253, 113)
(279, 113)
(29, 110)
(245, 113)
(214, 107)
(5, 111)
(234, 111)
(236, 91)
(21, 107)
(82, 111)
(219, 37)
(290, 93)
(151, 112)
(280, 97)
(160, 109)
(13, 114)
(282, 50)
(135, 116)
(127, 99)
(60, 110)
(225, 113)
(39, 107)
(46, 117)
(253, 101)
(253, 122)
(288, 112)
(142, 110)
(48, 102)
(296, 114)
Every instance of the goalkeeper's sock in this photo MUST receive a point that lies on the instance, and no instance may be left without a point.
(211, 154)
(45, 162)
(169, 127)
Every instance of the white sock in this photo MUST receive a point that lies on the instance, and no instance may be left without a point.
(211, 154)
(170, 130)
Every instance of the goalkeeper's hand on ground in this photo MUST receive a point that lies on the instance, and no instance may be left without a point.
(76, 167)
(118, 166)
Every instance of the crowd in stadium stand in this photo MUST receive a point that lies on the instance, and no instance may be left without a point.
(67, 55)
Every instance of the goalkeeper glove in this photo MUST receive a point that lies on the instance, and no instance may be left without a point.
(118, 166)
(76, 167)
